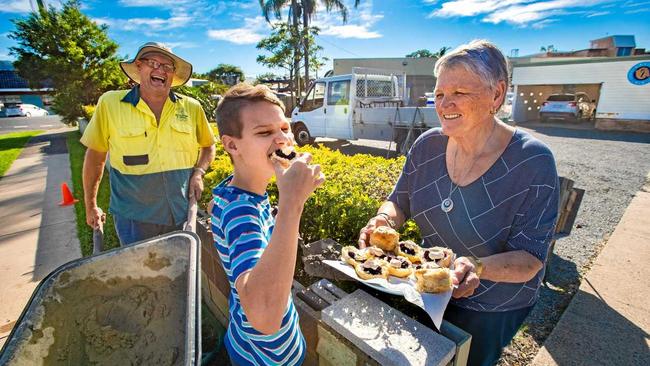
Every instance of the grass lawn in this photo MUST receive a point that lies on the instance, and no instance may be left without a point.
(11, 145)
(77, 152)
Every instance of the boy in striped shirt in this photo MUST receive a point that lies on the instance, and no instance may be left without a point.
(257, 251)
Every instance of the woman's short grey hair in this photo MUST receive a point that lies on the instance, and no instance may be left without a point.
(480, 57)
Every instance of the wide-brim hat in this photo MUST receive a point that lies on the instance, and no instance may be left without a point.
(183, 68)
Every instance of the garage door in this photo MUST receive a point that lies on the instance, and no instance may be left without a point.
(529, 98)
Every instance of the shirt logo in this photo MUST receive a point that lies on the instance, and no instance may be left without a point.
(181, 115)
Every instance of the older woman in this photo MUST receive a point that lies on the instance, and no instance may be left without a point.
(484, 189)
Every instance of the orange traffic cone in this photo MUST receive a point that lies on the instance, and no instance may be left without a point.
(68, 199)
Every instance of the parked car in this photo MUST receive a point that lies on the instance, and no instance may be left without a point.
(431, 99)
(568, 106)
(25, 110)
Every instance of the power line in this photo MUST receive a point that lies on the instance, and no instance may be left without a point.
(340, 48)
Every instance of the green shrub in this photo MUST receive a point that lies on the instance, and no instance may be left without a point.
(353, 191)
(88, 111)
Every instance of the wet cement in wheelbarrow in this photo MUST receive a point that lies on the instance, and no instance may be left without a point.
(123, 321)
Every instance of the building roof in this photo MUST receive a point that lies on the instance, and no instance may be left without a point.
(620, 40)
(10, 80)
(586, 60)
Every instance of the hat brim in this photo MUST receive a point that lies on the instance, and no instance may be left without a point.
(181, 75)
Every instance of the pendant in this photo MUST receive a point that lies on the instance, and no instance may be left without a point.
(447, 205)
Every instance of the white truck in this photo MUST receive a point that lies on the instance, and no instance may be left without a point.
(367, 104)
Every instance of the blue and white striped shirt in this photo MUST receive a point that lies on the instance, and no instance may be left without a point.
(242, 225)
(513, 206)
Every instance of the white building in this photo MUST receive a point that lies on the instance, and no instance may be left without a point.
(619, 85)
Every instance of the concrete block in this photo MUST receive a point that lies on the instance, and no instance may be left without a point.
(333, 351)
(385, 334)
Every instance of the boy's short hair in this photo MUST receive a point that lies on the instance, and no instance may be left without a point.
(238, 97)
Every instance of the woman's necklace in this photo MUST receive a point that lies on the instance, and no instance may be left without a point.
(447, 204)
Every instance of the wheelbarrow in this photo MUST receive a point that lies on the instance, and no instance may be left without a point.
(136, 305)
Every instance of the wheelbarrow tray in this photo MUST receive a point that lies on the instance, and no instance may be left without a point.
(138, 304)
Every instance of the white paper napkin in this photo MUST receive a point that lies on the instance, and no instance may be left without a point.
(433, 304)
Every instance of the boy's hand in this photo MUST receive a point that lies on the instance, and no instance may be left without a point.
(298, 182)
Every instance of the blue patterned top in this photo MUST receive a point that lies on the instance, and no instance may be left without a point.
(513, 206)
(242, 225)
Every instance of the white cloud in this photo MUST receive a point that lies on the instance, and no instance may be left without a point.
(517, 12)
(350, 31)
(148, 24)
(597, 14)
(359, 25)
(15, 6)
(635, 11)
(250, 33)
(543, 24)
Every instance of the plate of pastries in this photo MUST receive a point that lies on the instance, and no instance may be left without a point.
(388, 258)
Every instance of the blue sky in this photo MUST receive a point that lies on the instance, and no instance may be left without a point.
(207, 33)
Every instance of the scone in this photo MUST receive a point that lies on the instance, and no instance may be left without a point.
(384, 238)
(434, 280)
(284, 156)
(353, 255)
(375, 252)
(439, 255)
(372, 268)
(409, 250)
(399, 266)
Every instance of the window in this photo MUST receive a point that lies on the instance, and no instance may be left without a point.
(314, 99)
(561, 98)
(338, 93)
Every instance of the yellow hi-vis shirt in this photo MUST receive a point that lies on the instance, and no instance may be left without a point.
(150, 162)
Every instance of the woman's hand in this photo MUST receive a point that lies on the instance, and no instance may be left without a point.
(375, 222)
(465, 277)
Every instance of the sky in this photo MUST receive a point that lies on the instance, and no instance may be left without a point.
(210, 32)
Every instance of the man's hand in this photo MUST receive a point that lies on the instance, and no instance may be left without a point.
(196, 186)
(95, 217)
(464, 276)
(298, 182)
(373, 223)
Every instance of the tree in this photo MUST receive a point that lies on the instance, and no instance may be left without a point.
(69, 51)
(308, 11)
(206, 94)
(426, 53)
(281, 46)
(226, 74)
(265, 76)
(283, 53)
(301, 10)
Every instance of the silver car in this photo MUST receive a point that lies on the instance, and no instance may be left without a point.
(25, 110)
(568, 106)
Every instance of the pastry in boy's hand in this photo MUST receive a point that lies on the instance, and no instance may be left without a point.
(439, 255)
(284, 156)
(434, 280)
(409, 250)
(372, 268)
(353, 255)
(399, 266)
(384, 238)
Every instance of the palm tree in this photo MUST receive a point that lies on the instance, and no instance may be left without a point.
(308, 11)
(275, 7)
(304, 9)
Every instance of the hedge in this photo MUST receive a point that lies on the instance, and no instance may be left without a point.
(354, 189)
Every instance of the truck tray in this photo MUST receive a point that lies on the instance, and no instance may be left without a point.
(137, 305)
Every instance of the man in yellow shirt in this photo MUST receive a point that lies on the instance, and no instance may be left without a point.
(159, 144)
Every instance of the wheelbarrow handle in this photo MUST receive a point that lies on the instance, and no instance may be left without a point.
(98, 239)
(190, 225)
